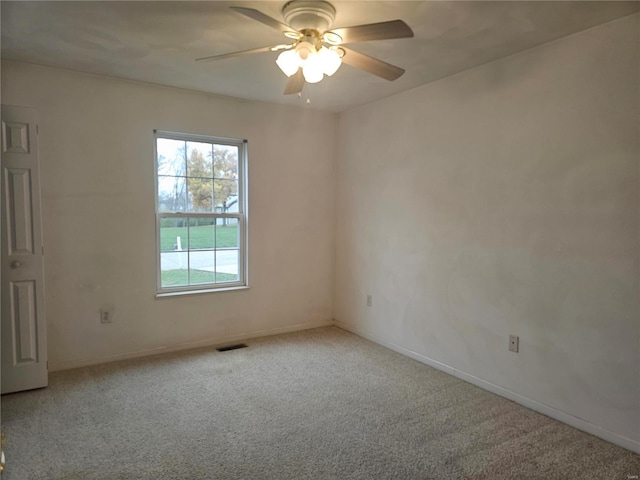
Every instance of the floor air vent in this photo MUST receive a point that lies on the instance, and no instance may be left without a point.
(232, 347)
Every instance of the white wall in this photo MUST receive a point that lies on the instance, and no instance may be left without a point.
(96, 153)
(505, 200)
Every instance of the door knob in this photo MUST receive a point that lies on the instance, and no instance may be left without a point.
(16, 264)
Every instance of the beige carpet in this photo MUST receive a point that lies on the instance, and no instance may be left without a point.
(319, 404)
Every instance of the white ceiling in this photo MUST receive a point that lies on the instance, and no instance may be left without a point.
(157, 42)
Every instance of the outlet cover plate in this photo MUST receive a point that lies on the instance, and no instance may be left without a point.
(106, 314)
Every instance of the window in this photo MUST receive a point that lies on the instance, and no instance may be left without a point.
(201, 218)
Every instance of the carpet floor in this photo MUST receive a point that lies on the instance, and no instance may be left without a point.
(317, 404)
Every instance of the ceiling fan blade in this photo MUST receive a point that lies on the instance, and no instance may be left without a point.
(295, 83)
(236, 54)
(263, 18)
(372, 65)
(374, 31)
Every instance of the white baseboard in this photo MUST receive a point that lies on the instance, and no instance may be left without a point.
(552, 412)
(69, 364)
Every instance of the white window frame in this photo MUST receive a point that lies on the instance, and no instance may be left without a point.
(241, 216)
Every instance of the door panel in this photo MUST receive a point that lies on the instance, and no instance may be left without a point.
(23, 322)
(19, 213)
(15, 137)
(24, 348)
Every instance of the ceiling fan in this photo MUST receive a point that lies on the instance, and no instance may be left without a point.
(316, 50)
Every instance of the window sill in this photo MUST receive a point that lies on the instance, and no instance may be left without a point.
(204, 290)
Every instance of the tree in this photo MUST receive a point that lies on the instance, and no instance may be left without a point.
(225, 170)
(197, 179)
(200, 182)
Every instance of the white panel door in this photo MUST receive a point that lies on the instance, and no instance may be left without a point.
(24, 338)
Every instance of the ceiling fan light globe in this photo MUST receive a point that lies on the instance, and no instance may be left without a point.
(312, 72)
(330, 60)
(304, 51)
(288, 62)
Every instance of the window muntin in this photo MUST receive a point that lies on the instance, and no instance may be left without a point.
(200, 212)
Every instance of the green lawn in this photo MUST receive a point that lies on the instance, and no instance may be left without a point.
(199, 237)
(177, 278)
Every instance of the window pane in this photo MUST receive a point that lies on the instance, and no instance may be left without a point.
(227, 232)
(173, 234)
(225, 195)
(200, 195)
(227, 266)
(225, 161)
(171, 157)
(201, 233)
(199, 160)
(172, 194)
(202, 266)
(201, 276)
(173, 269)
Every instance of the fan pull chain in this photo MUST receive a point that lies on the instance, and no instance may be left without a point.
(307, 101)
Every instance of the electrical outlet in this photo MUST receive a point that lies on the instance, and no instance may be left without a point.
(514, 342)
(369, 300)
(106, 315)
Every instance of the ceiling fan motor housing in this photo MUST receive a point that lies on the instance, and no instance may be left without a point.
(305, 15)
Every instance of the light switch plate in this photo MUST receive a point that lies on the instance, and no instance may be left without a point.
(514, 343)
